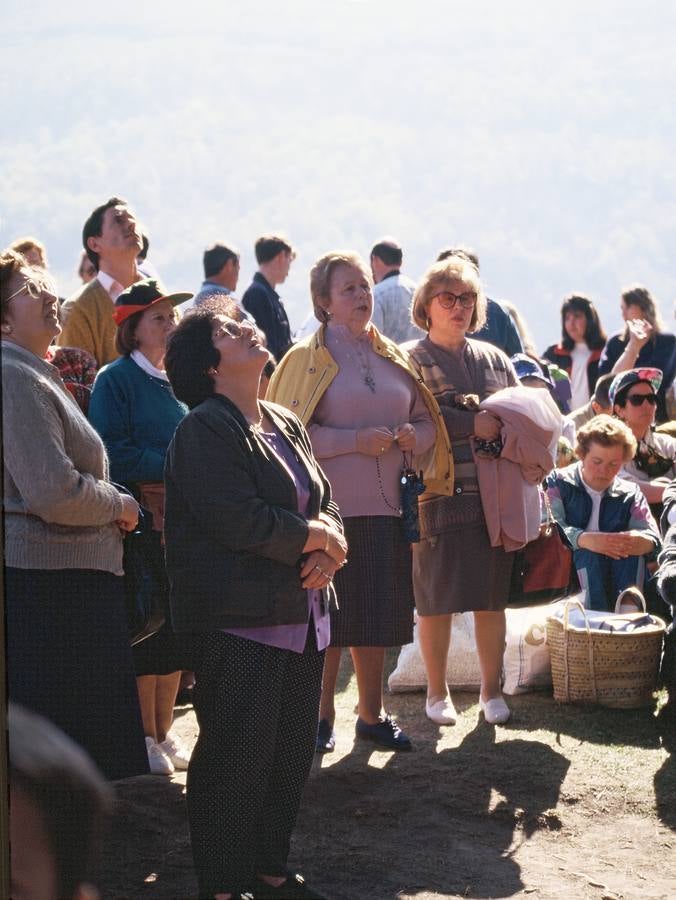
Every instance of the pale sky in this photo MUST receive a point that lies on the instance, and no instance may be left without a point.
(542, 134)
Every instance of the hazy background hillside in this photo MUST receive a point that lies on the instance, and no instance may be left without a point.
(543, 134)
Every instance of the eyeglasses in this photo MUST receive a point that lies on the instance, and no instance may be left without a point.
(32, 288)
(447, 299)
(233, 330)
(640, 399)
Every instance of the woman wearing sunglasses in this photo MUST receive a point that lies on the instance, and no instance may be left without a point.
(634, 396)
(69, 656)
(455, 568)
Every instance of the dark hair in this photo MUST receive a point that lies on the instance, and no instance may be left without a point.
(601, 390)
(125, 336)
(215, 257)
(270, 245)
(269, 368)
(462, 251)
(94, 224)
(594, 334)
(69, 793)
(637, 295)
(143, 252)
(190, 354)
(388, 252)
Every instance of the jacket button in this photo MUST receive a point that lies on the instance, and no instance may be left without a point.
(294, 403)
(311, 370)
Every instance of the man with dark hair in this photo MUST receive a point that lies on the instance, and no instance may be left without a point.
(393, 293)
(274, 255)
(221, 271)
(599, 403)
(112, 239)
(499, 329)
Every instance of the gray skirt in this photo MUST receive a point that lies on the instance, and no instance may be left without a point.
(455, 569)
(375, 589)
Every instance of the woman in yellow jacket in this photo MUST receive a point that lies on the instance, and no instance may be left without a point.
(369, 415)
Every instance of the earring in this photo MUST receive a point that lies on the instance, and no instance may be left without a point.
(428, 322)
(6, 329)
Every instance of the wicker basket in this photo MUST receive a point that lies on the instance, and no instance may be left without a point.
(616, 669)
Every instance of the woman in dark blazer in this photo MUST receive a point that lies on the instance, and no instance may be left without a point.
(253, 541)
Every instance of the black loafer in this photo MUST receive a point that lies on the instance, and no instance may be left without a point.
(385, 733)
(326, 737)
(294, 888)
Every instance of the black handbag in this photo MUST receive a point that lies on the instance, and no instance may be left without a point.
(412, 486)
(146, 585)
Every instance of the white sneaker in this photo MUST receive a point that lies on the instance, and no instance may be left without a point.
(174, 749)
(442, 712)
(496, 711)
(159, 762)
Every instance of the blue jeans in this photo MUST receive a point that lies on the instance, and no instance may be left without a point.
(602, 578)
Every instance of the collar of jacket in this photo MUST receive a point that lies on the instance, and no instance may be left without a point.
(573, 475)
(306, 371)
(322, 368)
(560, 350)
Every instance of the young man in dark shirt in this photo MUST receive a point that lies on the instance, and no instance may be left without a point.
(274, 255)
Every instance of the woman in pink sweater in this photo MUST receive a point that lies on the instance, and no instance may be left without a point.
(366, 415)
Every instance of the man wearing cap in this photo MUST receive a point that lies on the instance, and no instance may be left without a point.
(112, 239)
(393, 293)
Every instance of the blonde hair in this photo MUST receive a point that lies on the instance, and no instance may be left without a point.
(322, 272)
(608, 432)
(437, 278)
(25, 244)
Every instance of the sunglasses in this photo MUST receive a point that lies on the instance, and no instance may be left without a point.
(640, 399)
(447, 299)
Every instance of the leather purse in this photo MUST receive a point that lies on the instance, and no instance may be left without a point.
(543, 569)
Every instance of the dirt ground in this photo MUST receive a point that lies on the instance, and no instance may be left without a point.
(561, 802)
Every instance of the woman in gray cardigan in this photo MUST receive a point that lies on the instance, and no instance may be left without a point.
(253, 541)
(68, 649)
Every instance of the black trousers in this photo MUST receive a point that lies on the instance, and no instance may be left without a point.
(69, 659)
(257, 709)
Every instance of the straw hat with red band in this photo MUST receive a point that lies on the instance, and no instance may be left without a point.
(139, 296)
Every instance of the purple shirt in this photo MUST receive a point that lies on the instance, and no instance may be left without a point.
(292, 637)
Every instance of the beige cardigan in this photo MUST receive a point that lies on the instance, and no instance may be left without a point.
(88, 323)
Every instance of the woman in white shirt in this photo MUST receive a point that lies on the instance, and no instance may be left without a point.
(582, 341)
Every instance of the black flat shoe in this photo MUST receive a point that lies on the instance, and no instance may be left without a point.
(294, 888)
(385, 733)
(326, 737)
